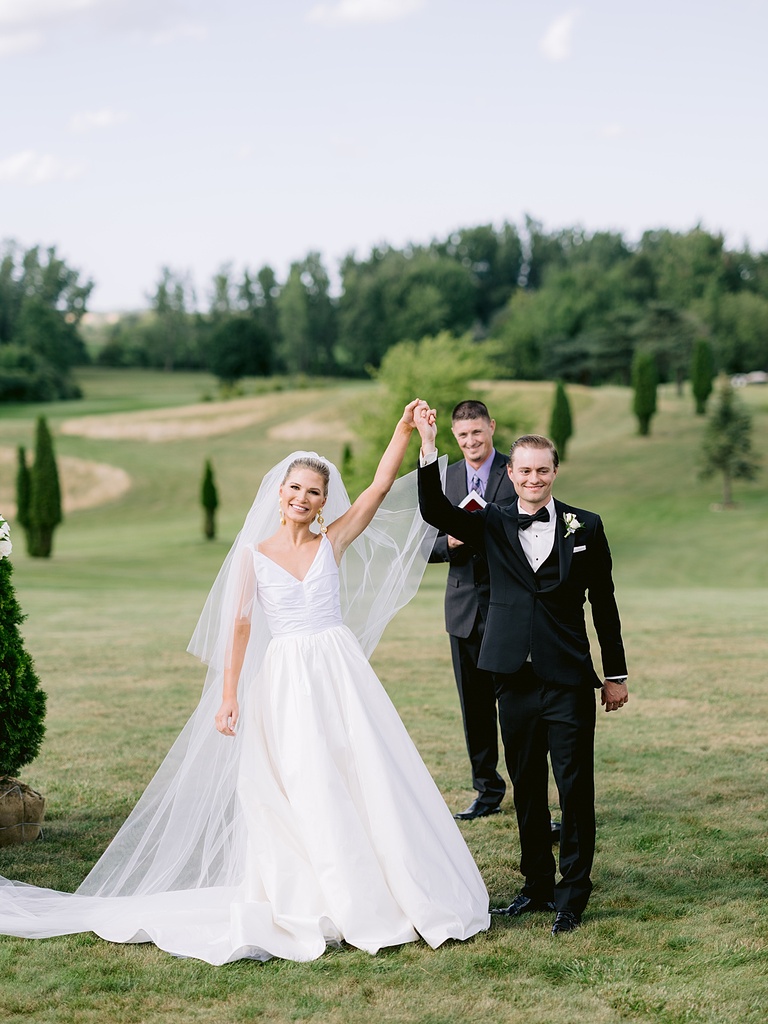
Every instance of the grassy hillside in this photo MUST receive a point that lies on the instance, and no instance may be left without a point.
(676, 930)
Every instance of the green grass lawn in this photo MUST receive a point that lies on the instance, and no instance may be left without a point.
(676, 930)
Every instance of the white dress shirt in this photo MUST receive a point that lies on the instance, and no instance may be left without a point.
(538, 539)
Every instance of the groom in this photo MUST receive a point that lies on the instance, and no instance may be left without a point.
(544, 557)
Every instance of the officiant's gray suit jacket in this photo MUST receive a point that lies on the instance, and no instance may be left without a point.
(468, 584)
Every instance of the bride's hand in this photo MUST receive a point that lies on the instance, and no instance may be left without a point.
(425, 420)
(411, 411)
(227, 716)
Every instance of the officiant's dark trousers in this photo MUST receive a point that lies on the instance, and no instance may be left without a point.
(477, 693)
(539, 719)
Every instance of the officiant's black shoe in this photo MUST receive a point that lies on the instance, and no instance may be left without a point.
(523, 904)
(478, 809)
(565, 921)
(554, 827)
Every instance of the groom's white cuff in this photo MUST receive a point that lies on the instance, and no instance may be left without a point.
(427, 460)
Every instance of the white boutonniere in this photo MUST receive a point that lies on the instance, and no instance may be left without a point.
(572, 524)
(5, 539)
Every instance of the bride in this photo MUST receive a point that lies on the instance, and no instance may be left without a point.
(307, 816)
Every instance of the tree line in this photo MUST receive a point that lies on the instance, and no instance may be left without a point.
(563, 304)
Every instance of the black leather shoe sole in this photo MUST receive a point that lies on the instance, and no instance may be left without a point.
(476, 812)
(522, 905)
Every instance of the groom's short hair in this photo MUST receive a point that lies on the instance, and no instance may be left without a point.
(470, 409)
(535, 441)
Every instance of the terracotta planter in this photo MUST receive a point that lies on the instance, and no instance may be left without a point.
(21, 812)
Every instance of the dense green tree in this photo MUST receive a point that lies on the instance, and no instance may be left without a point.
(644, 383)
(209, 499)
(740, 325)
(307, 319)
(266, 302)
(44, 494)
(669, 333)
(224, 293)
(22, 702)
(129, 342)
(685, 265)
(521, 333)
(41, 304)
(561, 421)
(702, 374)
(399, 296)
(727, 442)
(171, 337)
(295, 353)
(494, 260)
(239, 347)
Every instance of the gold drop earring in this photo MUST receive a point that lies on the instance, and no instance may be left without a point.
(282, 514)
(321, 522)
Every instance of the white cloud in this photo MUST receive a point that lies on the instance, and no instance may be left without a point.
(35, 12)
(365, 10)
(182, 30)
(155, 21)
(90, 120)
(19, 42)
(614, 130)
(31, 168)
(556, 42)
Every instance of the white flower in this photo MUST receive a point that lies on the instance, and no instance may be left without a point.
(5, 539)
(572, 524)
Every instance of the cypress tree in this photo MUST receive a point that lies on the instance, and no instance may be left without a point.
(644, 381)
(44, 494)
(347, 462)
(209, 499)
(22, 702)
(727, 443)
(561, 422)
(23, 484)
(702, 374)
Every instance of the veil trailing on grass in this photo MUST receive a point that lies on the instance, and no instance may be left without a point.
(187, 831)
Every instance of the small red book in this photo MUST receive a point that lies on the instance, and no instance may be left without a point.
(473, 502)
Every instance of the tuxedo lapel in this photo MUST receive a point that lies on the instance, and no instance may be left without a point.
(511, 529)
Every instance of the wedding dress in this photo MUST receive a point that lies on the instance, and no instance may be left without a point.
(337, 832)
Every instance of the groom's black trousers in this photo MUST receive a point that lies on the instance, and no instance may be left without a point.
(536, 719)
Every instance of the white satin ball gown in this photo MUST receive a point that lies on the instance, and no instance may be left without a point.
(347, 838)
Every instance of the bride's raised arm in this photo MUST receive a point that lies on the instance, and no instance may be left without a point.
(348, 527)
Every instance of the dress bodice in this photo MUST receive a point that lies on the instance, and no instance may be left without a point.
(296, 607)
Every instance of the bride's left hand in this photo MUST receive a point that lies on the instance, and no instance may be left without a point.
(226, 717)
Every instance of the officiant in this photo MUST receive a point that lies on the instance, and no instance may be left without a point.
(480, 477)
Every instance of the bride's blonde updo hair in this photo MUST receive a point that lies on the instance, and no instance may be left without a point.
(318, 466)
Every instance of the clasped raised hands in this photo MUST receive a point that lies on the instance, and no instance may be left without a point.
(425, 421)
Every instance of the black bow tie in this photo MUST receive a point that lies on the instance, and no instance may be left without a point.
(524, 521)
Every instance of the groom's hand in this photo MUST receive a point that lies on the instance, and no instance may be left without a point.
(426, 424)
(613, 695)
(411, 411)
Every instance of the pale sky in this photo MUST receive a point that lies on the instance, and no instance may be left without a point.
(137, 133)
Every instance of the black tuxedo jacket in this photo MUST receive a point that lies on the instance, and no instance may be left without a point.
(548, 623)
(468, 583)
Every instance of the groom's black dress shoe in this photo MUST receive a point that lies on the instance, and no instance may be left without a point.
(565, 921)
(477, 809)
(554, 828)
(523, 904)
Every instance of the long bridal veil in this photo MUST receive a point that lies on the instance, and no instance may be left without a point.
(187, 830)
